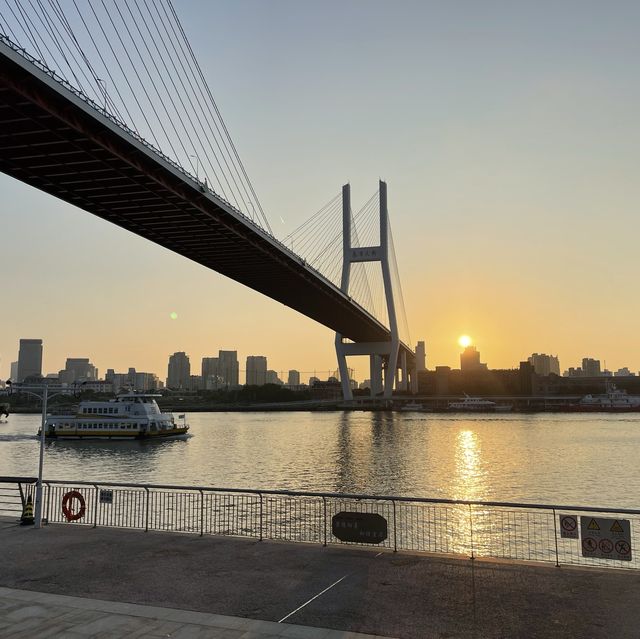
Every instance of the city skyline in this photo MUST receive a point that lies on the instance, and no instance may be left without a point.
(504, 167)
(258, 372)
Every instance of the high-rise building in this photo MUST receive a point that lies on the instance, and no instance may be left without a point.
(132, 380)
(14, 372)
(210, 373)
(272, 378)
(195, 383)
(545, 364)
(421, 357)
(470, 360)
(78, 369)
(256, 370)
(29, 358)
(591, 367)
(179, 371)
(293, 378)
(228, 368)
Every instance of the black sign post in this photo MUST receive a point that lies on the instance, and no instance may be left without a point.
(363, 528)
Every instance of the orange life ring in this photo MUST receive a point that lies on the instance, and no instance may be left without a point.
(68, 513)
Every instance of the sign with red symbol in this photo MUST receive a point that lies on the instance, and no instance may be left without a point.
(605, 538)
(568, 526)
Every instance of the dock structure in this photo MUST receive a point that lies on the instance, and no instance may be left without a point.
(299, 590)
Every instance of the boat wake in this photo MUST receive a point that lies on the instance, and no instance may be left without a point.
(17, 438)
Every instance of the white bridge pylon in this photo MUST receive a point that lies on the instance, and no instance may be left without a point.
(388, 366)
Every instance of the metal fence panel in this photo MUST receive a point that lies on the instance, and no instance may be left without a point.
(523, 532)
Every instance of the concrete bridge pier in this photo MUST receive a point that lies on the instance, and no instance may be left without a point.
(382, 355)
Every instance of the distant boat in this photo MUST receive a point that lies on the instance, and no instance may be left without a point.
(612, 399)
(478, 405)
(414, 407)
(127, 417)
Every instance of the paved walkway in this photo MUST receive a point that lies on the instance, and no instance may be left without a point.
(38, 615)
(404, 595)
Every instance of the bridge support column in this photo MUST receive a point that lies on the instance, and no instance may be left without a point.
(347, 392)
(402, 381)
(389, 355)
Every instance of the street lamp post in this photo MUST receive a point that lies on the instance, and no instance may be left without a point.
(38, 513)
(43, 396)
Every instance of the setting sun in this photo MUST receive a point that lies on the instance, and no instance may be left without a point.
(464, 341)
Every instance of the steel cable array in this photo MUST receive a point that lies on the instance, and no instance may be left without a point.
(134, 59)
(319, 241)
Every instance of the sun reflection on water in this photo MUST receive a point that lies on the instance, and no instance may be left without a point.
(470, 474)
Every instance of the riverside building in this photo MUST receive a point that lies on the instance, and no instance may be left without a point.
(545, 364)
(29, 359)
(256, 373)
(179, 371)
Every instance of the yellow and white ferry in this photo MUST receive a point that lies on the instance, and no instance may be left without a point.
(127, 417)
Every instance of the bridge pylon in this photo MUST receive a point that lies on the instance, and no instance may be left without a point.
(387, 364)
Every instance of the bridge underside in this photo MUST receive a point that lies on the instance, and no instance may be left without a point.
(56, 142)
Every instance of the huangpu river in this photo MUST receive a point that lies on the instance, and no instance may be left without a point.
(566, 459)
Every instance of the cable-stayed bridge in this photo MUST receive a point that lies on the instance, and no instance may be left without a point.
(104, 105)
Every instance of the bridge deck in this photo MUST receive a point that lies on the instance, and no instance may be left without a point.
(56, 141)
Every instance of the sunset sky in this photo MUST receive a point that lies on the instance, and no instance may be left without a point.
(507, 133)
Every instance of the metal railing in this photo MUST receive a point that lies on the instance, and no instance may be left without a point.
(14, 492)
(504, 530)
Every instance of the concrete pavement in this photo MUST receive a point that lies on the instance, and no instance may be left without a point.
(36, 615)
(341, 588)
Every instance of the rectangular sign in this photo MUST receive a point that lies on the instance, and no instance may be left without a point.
(106, 496)
(368, 528)
(568, 526)
(606, 538)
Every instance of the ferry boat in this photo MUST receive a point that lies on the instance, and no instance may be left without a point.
(478, 405)
(613, 399)
(129, 416)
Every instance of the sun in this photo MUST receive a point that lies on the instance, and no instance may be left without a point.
(464, 341)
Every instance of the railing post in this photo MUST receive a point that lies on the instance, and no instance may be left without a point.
(471, 531)
(555, 536)
(95, 507)
(260, 494)
(324, 507)
(22, 497)
(201, 513)
(48, 499)
(395, 529)
(146, 511)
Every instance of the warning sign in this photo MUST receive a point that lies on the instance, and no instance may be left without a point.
(605, 538)
(616, 527)
(569, 526)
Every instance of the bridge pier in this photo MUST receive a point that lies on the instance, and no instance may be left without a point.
(385, 358)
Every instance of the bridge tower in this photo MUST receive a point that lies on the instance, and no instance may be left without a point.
(387, 364)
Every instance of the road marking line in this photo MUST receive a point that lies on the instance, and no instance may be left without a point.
(306, 603)
(335, 583)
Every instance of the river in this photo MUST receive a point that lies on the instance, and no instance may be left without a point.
(565, 459)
